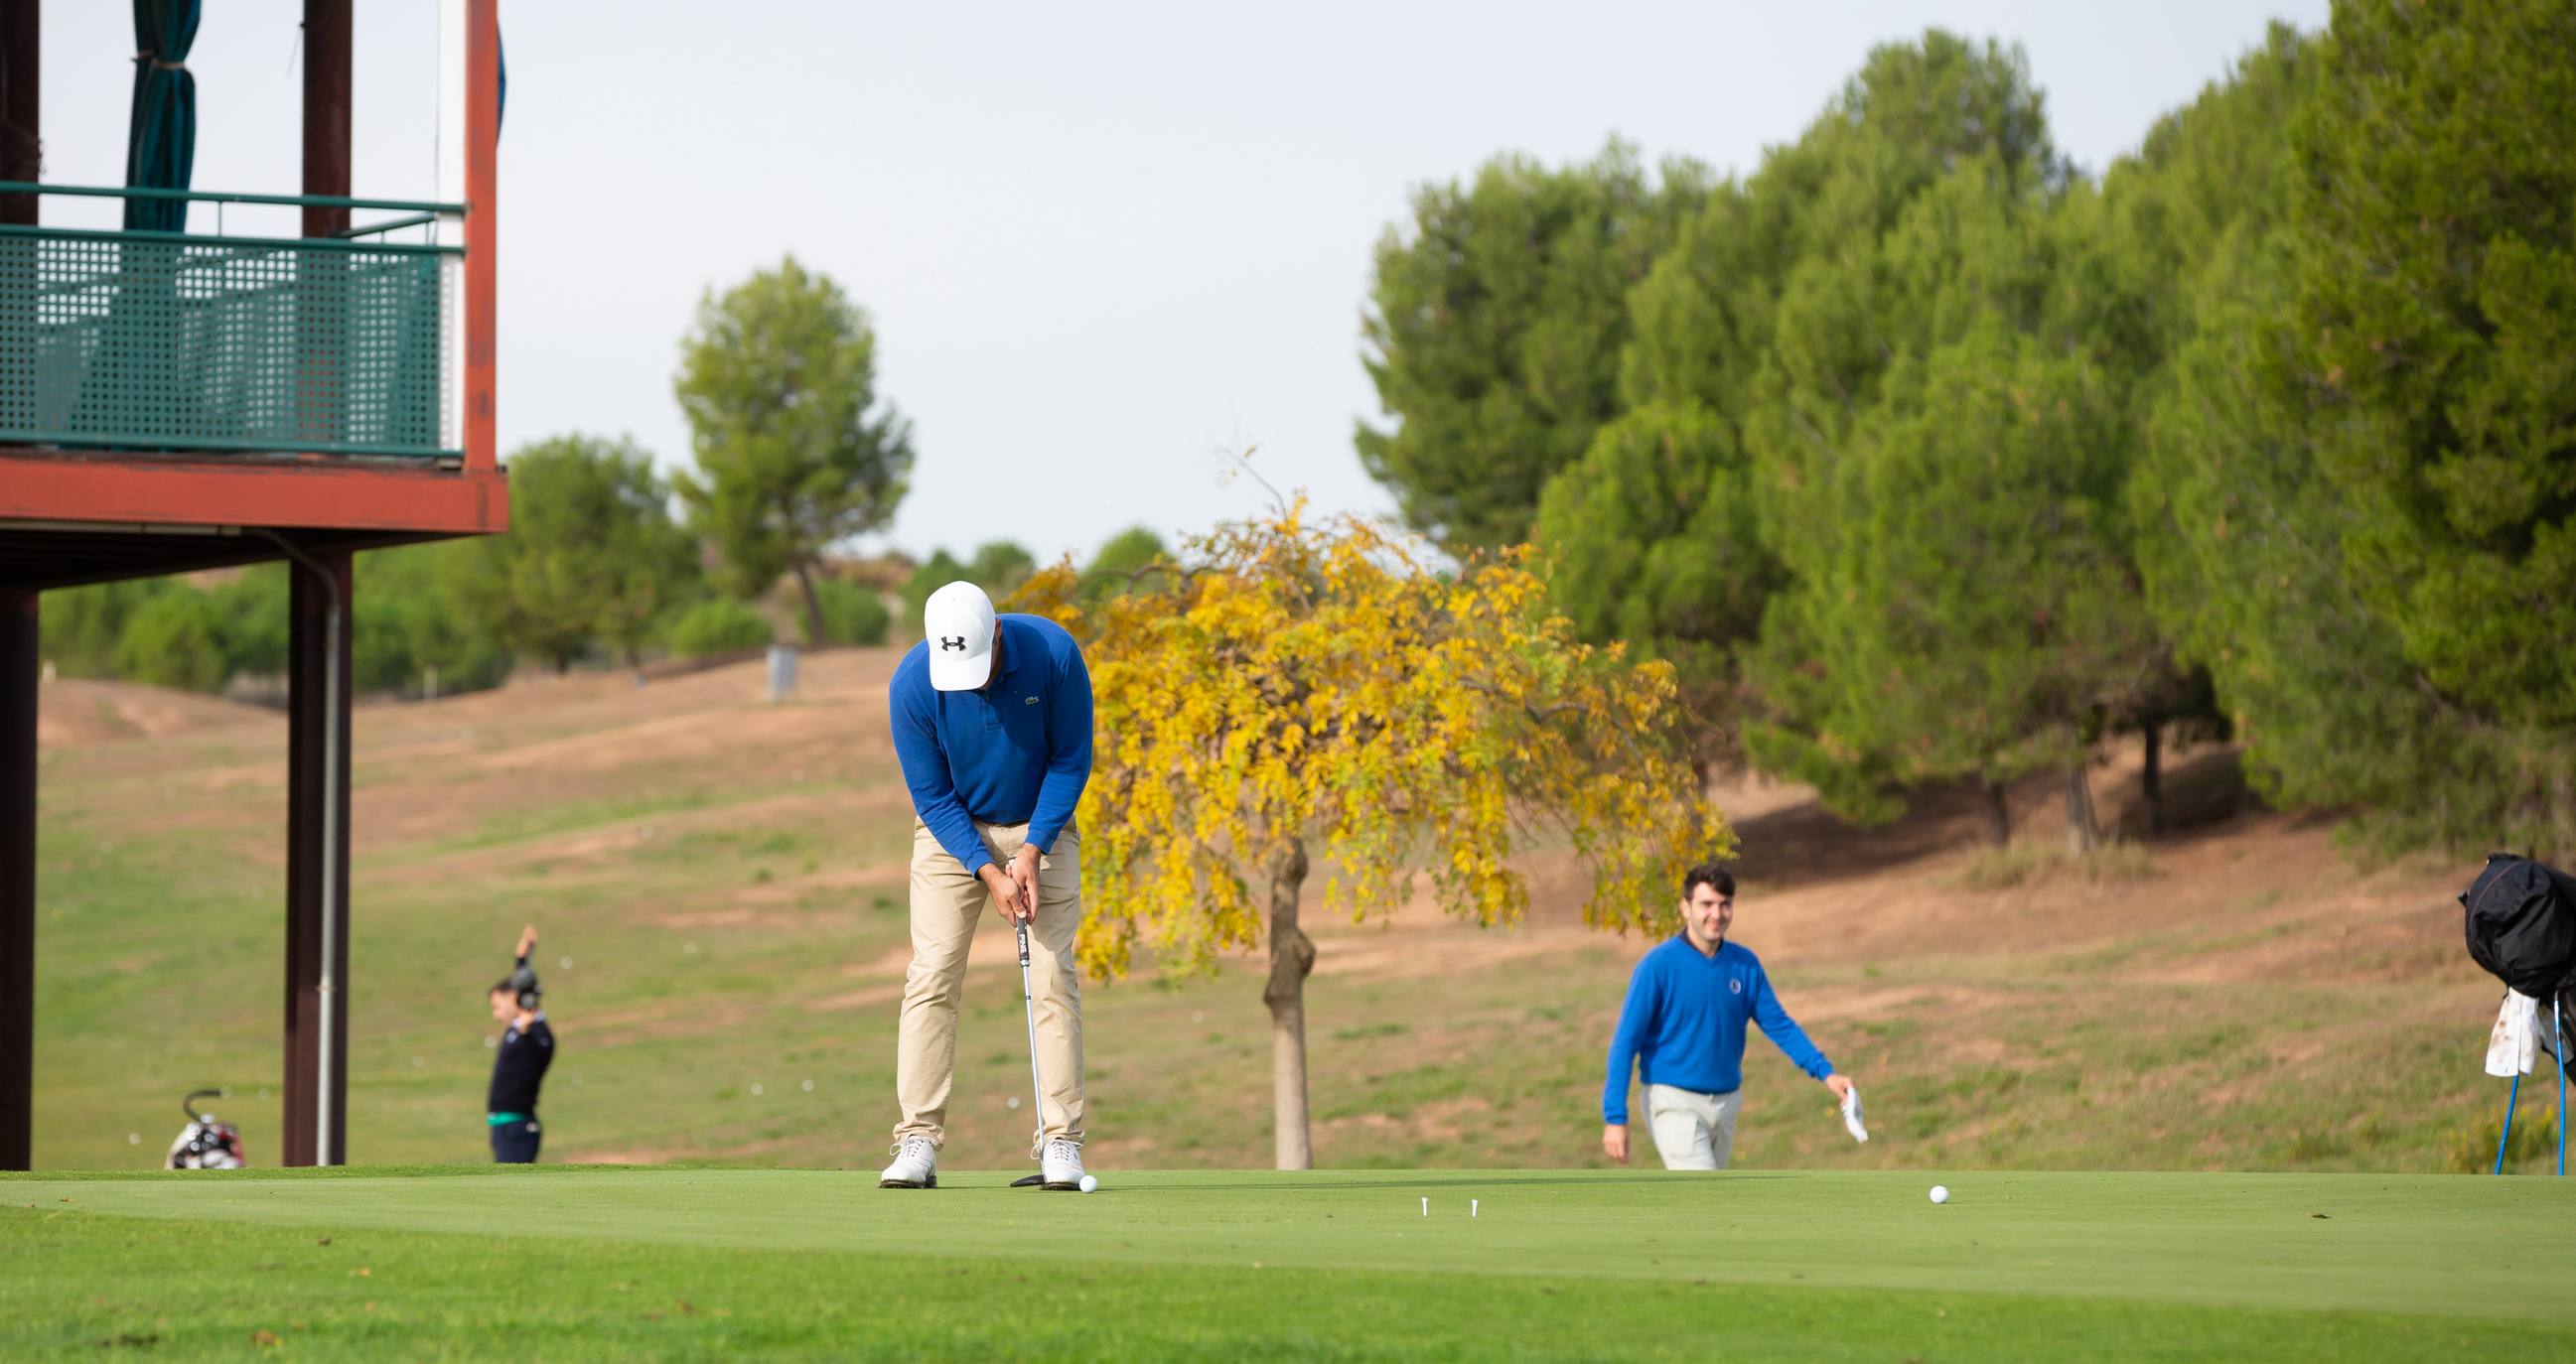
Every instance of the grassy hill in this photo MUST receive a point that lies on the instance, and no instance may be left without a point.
(720, 883)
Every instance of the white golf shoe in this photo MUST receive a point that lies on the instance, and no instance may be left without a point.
(1060, 1165)
(916, 1166)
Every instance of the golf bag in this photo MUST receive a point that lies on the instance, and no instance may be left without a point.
(2520, 918)
(2521, 925)
(207, 1142)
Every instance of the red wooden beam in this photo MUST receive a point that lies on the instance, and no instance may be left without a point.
(318, 494)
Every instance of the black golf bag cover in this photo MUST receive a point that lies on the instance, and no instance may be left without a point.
(2521, 922)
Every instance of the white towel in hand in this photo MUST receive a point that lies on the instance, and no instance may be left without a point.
(2516, 1037)
(1851, 1115)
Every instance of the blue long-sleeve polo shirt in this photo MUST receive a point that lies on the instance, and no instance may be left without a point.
(1017, 750)
(1684, 1022)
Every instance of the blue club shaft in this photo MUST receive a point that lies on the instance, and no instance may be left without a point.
(2507, 1134)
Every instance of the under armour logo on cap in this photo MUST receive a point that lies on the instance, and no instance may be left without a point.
(958, 618)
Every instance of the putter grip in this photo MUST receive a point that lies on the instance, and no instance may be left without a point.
(1024, 942)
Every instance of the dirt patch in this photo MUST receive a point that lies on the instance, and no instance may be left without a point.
(77, 712)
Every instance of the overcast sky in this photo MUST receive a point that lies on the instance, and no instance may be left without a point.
(1100, 242)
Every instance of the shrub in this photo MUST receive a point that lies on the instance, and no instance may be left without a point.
(251, 620)
(173, 640)
(2471, 1150)
(82, 628)
(716, 626)
(851, 614)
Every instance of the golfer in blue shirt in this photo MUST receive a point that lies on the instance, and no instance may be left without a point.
(1683, 1028)
(992, 723)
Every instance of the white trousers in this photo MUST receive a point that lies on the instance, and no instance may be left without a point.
(1693, 1131)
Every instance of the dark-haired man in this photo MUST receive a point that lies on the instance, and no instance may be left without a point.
(1684, 1027)
(519, 1064)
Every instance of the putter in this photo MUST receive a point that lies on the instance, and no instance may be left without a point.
(1037, 1087)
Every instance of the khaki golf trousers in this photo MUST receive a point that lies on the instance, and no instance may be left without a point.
(947, 903)
(1693, 1131)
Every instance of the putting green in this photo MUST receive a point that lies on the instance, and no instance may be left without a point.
(1322, 1265)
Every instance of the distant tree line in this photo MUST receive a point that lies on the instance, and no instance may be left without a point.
(606, 561)
(1925, 456)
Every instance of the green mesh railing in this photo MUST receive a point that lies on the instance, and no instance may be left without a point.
(164, 341)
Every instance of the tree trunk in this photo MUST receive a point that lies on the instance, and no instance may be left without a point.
(1292, 956)
(813, 606)
(1998, 814)
(2154, 778)
(2082, 834)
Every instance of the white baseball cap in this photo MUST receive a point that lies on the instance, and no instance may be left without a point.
(957, 623)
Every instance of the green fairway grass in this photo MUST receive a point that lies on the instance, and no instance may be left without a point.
(678, 1262)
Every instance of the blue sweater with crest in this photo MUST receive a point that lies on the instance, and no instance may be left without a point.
(1684, 1023)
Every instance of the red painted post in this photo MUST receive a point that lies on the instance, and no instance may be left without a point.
(482, 229)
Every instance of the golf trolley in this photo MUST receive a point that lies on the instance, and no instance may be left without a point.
(207, 1142)
(2521, 925)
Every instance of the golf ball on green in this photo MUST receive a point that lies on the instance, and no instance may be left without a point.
(1940, 1193)
(1090, 1182)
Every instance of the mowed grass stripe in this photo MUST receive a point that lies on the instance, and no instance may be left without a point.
(80, 1285)
(2409, 1245)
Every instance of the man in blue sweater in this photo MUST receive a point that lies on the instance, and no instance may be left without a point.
(1683, 1028)
(992, 723)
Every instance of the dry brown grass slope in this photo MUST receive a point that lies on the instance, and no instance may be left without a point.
(726, 878)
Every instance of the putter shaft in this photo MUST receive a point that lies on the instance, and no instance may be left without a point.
(1029, 1008)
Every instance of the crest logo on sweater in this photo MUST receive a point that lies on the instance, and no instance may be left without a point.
(1734, 987)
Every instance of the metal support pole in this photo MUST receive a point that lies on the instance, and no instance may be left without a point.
(317, 858)
(2558, 1030)
(19, 651)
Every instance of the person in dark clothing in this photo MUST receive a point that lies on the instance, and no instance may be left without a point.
(519, 1067)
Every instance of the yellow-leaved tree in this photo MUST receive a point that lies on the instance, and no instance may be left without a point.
(1294, 694)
